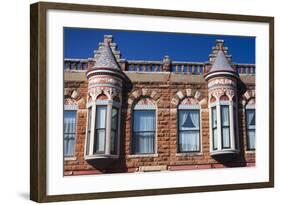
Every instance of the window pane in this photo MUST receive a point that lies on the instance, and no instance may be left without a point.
(251, 118)
(189, 141)
(189, 131)
(251, 139)
(214, 128)
(69, 132)
(215, 139)
(113, 142)
(225, 115)
(144, 120)
(100, 129)
(226, 137)
(114, 126)
(144, 131)
(100, 140)
(101, 117)
(225, 126)
(114, 118)
(188, 120)
(214, 117)
(251, 126)
(89, 130)
(144, 143)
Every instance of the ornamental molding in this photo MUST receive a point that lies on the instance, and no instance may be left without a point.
(143, 93)
(218, 92)
(188, 97)
(110, 92)
(104, 80)
(225, 82)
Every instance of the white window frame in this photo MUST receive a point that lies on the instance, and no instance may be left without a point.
(93, 105)
(144, 107)
(234, 139)
(72, 108)
(190, 107)
(249, 107)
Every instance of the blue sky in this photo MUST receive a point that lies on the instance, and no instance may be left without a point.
(142, 45)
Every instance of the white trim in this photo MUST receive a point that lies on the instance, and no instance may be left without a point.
(219, 135)
(220, 73)
(250, 106)
(86, 135)
(224, 151)
(70, 107)
(142, 155)
(189, 107)
(108, 129)
(144, 107)
(69, 158)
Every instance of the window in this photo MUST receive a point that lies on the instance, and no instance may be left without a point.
(100, 130)
(223, 127)
(214, 128)
(103, 129)
(143, 131)
(89, 130)
(114, 126)
(69, 132)
(189, 131)
(251, 128)
(225, 124)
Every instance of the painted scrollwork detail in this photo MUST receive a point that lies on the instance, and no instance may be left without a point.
(108, 91)
(217, 93)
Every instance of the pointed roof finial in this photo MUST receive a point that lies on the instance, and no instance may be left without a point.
(220, 61)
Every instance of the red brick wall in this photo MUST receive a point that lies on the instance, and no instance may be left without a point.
(162, 93)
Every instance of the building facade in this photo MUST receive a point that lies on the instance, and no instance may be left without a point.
(136, 116)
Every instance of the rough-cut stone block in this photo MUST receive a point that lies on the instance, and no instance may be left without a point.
(247, 95)
(136, 94)
(189, 92)
(180, 94)
(197, 95)
(203, 101)
(175, 101)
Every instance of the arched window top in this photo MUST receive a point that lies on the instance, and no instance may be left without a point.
(102, 97)
(251, 103)
(224, 98)
(189, 103)
(145, 104)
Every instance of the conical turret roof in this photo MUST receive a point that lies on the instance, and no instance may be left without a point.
(221, 63)
(106, 58)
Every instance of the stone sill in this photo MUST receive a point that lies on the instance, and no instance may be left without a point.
(188, 154)
(250, 151)
(225, 151)
(69, 158)
(101, 156)
(141, 155)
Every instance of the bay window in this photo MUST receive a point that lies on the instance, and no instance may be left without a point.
(223, 128)
(103, 127)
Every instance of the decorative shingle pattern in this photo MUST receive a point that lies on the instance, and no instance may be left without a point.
(106, 59)
(221, 63)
